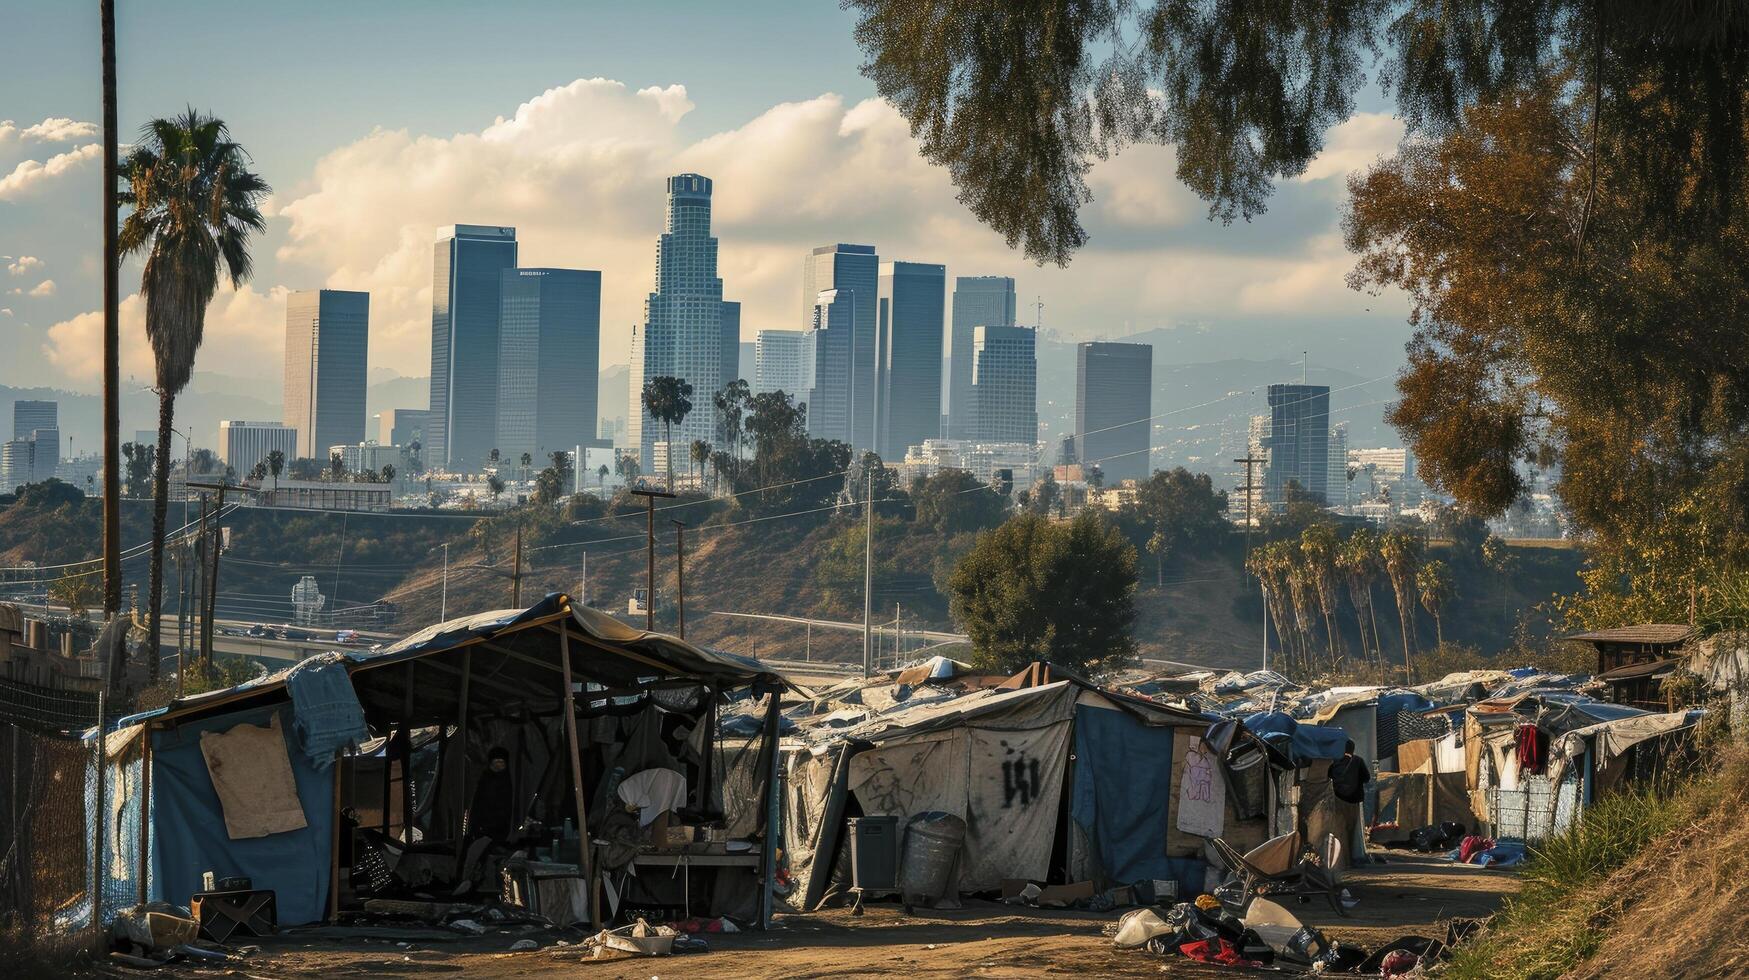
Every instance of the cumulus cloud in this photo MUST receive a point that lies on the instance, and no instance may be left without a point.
(44, 288)
(59, 129)
(23, 264)
(5, 311)
(579, 169)
(245, 335)
(1356, 145)
(33, 173)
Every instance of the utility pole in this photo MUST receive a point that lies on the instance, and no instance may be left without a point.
(1250, 489)
(443, 599)
(650, 496)
(111, 335)
(212, 595)
(583, 583)
(680, 573)
(199, 587)
(516, 572)
(868, 578)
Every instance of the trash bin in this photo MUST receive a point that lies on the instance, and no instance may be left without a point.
(874, 853)
(931, 855)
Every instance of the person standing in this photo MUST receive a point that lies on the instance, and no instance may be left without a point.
(1348, 778)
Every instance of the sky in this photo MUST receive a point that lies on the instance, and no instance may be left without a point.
(376, 123)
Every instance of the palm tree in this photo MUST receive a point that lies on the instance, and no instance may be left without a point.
(527, 461)
(276, 465)
(388, 472)
(1318, 551)
(336, 467)
(701, 451)
(496, 485)
(669, 399)
(1358, 561)
(731, 404)
(195, 204)
(494, 456)
(1434, 582)
(601, 476)
(1401, 554)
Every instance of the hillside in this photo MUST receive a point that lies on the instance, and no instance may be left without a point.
(809, 565)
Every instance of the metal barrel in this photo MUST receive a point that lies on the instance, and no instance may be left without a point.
(932, 849)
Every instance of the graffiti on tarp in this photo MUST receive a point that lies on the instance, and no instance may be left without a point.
(1020, 777)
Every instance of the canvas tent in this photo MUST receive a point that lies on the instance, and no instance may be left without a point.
(1059, 781)
(435, 702)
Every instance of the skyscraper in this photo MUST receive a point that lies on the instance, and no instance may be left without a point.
(731, 342)
(1298, 442)
(682, 334)
(28, 416)
(549, 353)
(465, 298)
(855, 268)
(327, 344)
(1114, 384)
(1004, 384)
(828, 360)
(978, 301)
(778, 361)
(913, 297)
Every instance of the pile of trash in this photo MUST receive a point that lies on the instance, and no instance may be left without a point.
(158, 933)
(1268, 935)
(642, 939)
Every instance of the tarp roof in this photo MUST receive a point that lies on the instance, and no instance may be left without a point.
(513, 655)
(1654, 633)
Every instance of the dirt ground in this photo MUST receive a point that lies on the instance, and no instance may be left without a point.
(1410, 894)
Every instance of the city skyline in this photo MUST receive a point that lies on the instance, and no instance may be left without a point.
(327, 343)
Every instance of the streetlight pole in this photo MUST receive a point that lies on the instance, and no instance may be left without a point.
(868, 577)
(443, 600)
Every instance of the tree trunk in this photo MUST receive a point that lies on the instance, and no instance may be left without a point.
(1406, 620)
(668, 434)
(160, 504)
(1438, 630)
(1372, 614)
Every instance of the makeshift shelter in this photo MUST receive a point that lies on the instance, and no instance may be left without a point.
(1059, 781)
(356, 776)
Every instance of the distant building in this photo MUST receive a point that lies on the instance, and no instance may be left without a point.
(830, 357)
(327, 348)
(29, 415)
(1114, 386)
(366, 457)
(16, 456)
(978, 301)
(683, 333)
(777, 360)
(1005, 384)
(731, 343)
(1336, 483)
(913, 298)
(45, 453)
(549, 354)
(1298, 442)
(856, 269)
(243, 444)
(465, 306)
(402, 427)
(985, 461)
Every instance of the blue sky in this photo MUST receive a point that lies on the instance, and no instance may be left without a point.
(376, 122)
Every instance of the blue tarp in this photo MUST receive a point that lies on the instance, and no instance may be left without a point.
(188, 825)
(1300, 743)
(1122, 798)
(329, 717)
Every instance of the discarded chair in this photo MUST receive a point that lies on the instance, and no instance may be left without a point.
(1277, 868)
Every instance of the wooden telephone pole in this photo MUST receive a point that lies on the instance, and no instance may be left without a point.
(650, 496)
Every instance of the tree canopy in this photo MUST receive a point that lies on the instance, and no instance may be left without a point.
(1018, 99)
(1058, 592)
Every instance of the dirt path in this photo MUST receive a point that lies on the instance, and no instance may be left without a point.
(1409, 894)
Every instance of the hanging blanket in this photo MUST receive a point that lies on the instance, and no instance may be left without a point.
(328, 715)
(252, 775)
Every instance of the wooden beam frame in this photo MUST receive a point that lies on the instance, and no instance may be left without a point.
(570, 708)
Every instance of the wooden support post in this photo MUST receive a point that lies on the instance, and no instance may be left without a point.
(389, 741)
(212, 598)
(334, 844)
(680, 575)
(461, 724)
(407, 757)
(569, 707)
(773, 817)
(516, 573)
(144, 873)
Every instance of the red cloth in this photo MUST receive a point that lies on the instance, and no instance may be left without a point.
(1533, 749)
(1472, 846)
(1217, 951)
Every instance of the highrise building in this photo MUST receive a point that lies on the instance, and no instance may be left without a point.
(243, 444)
(855, 268)
(731, 342)
(1298, 442)
(682, 334)
(1114, 385)
(466, 295)
(29, 416)
(327, 347)
(913, 298)
(402, 427)
(829, 358)
(45, 453)
(16, 457)
(1336, 480)
(777, 359)
(978, 301)
(1005, 384)
(549, 353)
